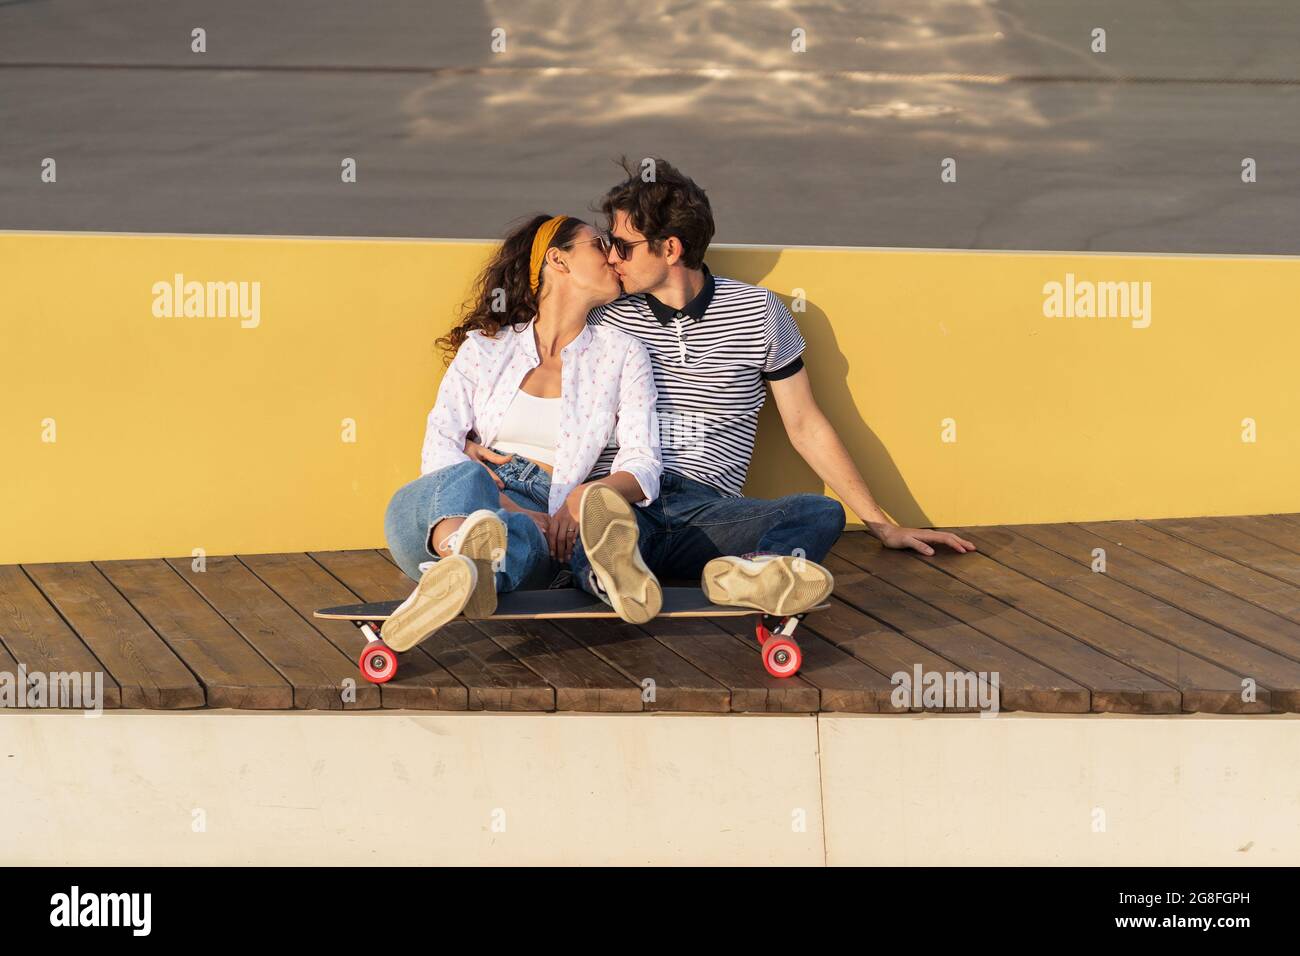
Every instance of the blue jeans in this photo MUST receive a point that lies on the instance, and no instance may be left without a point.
(458, 490)
(691, 523)
(688, 525)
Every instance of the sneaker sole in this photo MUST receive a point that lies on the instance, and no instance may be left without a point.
(483, 538)
(609, 536)
(777, 587)
(440, 597)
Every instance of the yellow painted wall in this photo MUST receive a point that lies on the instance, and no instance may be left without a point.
(180, 433)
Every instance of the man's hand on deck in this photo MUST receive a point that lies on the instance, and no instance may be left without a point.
(919, 539)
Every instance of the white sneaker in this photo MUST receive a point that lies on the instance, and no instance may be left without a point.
(482, 539)
(771, 583)
(439, 597)
(611, 539)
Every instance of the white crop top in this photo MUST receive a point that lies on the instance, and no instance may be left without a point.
(531, 428)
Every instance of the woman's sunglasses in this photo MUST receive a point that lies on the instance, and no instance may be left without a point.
(600, 238)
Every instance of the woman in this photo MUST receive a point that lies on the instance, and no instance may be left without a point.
(531, 379)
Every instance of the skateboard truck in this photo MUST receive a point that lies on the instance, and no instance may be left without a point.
(781, 654)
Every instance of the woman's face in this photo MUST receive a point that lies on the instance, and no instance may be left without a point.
(589, 268)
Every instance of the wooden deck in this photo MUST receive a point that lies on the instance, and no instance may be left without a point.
(1187, 612)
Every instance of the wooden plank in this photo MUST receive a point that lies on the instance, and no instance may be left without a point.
(232, 672)
(493, 679)
(582, 681)
(1169, 584)
(421, 682)
(876, 645)
(1232, 571)
(1065, 553)
(149, 674)
(1276, 531)
(1234, 541)
(321, 677)
(1112, 687)
(736, 667)
(7, 663)
(39, 641)
(1023, 683)
(1205, 687)
(844, 684)
(677, 685)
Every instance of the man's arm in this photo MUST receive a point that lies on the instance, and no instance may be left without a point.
(815, 439)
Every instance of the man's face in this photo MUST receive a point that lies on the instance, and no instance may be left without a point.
(642, 270)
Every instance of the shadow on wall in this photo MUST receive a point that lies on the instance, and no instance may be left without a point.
(777, 469)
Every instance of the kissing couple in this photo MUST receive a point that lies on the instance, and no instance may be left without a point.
(597, 419)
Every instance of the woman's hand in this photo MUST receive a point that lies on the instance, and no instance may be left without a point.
(564, 526)
(487, 457)
(541, 519)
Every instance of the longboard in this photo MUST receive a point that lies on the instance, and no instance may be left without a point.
(781, 656)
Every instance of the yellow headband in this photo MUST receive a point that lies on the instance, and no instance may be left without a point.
(542, 242)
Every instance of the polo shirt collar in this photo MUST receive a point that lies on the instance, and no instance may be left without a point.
(694, 309)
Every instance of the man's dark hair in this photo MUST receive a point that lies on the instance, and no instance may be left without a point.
(671, 205)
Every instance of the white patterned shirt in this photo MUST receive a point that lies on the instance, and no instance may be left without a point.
(607, 395)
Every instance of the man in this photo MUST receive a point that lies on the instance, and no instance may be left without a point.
(714, 342)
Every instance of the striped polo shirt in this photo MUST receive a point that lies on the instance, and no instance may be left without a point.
(710, 360)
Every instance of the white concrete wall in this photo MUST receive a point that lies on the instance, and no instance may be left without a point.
(1062, 789)
(410, 788)
(406, 788)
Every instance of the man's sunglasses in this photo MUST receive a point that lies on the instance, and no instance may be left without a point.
(623, 247)
(607, 242)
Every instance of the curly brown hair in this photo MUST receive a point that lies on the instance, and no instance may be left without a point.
(672, 205)
(502, 294)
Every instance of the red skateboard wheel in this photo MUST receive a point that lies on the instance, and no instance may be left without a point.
(378, 662)
(781, 657)
(761, 632)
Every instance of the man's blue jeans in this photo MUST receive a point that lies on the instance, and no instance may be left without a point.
(458, 490)
(691, 523)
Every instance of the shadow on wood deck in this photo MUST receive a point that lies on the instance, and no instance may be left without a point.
(1189, 615)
